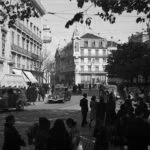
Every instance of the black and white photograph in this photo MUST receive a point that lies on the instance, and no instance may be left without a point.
(74, 74)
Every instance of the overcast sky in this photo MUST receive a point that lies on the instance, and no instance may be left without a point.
(125, 25)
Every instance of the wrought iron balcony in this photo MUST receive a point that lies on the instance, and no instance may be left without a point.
(20, 50)
(92, 72)
(34, 56)
(93, 56)
(2, 59)
(29, 32)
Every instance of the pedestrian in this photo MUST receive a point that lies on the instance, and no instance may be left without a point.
(42, 134)
(100, 113)
(74, 133)
(12, 139)
(58, 138)
(38, 134)
(52, 88)
(110, 112)
(93, 110)
(101, 142)
(22, 99)
(41, 92)
(138, 132)
(79, 89)
(84, 109)
(67, 95)
(5, 98)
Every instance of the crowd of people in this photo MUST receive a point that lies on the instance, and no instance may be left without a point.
(14, 97)
(128, 127)
(62, 135)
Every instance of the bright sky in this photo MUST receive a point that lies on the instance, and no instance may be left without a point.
(125, 25)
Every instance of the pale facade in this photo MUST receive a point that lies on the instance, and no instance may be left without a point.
(83, 60)
(90, 54)
(47, 53)
(5, 59)
(23, 45)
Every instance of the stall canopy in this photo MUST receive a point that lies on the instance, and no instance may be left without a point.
(30, 76)
(12, 80)
(19, 72)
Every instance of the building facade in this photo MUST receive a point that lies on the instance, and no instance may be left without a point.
(5, 59)
(46, 53)
(140, 37)
(23, 45)
(83, 60)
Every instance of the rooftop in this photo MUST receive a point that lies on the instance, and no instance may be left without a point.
(90, 36)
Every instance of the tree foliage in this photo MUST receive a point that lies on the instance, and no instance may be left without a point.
(129, 61)
(10, 11)
(109, 8)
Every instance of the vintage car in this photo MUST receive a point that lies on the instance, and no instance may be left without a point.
(60, 95)
(114, 89)
(11, 97)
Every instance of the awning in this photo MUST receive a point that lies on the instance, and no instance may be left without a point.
(12, 80)
(19, 72)
(30, 76)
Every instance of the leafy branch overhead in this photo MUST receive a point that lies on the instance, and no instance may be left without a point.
(109, 8)
(129, 61)
(12, 11)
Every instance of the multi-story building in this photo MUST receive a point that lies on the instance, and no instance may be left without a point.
(5, 60)
(23, 46)
(46, 53)
(139, 37)
(83, 60)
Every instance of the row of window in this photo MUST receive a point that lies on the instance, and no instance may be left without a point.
(95, 60)
(96, 68)
(95, 43)
(96, 52)
(25, 43)
(88, 78)
(24, 63)
(32, 27)
(3, 43)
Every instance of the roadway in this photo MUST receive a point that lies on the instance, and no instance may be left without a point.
(73, 104)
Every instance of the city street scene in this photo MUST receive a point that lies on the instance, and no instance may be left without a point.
(74, 75)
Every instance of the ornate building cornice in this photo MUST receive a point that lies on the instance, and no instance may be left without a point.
(39, 7)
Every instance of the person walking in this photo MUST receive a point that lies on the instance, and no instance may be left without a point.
(138, 132)
(74, 133)
(58, 138)
(42, 134)
(37, 134)
(93, 110)
(100, 114)
(84, 109)
(12, 139)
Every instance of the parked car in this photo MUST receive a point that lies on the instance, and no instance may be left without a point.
(11, 97)
(114, 89)
(60, 95)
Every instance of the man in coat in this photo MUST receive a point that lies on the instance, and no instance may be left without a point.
(12, 139)
(84, 109)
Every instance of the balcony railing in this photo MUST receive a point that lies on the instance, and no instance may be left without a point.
(92, 72)
(34, 56)
(29, 32)
(20, 50)
(94, 56)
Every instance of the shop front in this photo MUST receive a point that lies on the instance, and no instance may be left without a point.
(13, 81)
